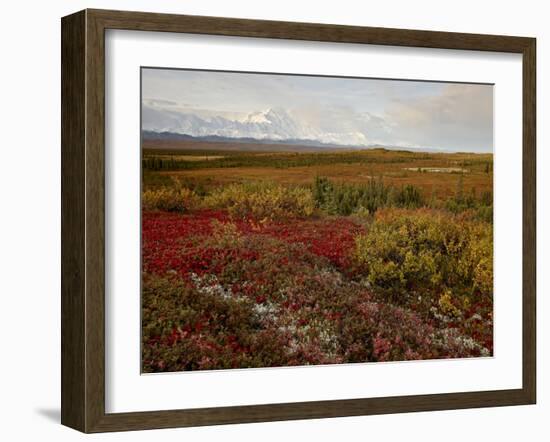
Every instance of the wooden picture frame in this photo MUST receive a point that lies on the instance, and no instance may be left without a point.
(83, 220)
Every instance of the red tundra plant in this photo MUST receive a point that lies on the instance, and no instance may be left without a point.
(221, 294)
(173, 241)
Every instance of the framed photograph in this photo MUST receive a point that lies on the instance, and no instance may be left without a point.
(267, 221)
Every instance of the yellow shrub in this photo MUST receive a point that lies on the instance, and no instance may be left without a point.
(446, 305)
(225, 234)
(169, 199)
(407, 253)
(263, 200)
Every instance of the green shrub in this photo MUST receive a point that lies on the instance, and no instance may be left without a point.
(322, 191)
(484, 213)
(461, 202)
(408, 196)
(345, 199)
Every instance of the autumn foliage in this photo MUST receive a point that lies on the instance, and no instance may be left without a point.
(264, 275)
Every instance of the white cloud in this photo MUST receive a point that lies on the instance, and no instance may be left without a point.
(459, 118)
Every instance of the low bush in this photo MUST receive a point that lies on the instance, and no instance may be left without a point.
(427, 254)
(262, 302)
(262, 200)
(346, 199)
(482, 207)
(407, 196)
(170, 199)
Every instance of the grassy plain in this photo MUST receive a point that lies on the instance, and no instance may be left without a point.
(271, 255)
(434, 173)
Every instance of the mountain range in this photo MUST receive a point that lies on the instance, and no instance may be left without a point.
(171, 136)
(270, 127)
(274, 124)
(150, 137)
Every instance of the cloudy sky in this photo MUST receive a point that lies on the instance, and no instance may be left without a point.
(361, 112)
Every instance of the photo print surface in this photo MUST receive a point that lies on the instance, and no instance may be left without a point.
(292, 220)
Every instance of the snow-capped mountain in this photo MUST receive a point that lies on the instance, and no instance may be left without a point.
(270, 124)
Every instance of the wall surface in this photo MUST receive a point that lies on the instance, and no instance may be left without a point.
(30, 221)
